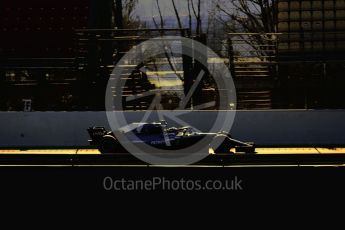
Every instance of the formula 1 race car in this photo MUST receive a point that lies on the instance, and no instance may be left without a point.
(157, 135)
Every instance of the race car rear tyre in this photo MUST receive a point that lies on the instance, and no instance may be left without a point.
(109, 144)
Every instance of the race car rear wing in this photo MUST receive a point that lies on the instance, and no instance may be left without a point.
(96, 134)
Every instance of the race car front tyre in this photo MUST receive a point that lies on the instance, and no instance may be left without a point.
(225, 143)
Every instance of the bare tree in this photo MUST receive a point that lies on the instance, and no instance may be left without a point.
(161, 24)
(189, 15)
(197, 14)
(128, 14)
(249, 16)
(168, 56)
(194, 13)
(123, 11)
(253, 16)
(191, 70)
(178, 18)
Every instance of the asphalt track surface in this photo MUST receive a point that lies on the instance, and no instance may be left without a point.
(264, 157)
(271, 170)
(301, 150)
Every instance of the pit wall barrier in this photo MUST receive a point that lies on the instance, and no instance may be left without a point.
(267, 128)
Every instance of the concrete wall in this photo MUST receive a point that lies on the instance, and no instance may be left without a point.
(281, 128)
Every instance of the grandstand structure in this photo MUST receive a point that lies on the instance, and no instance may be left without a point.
(38, 51)
(59, 55)
(313, 29)
(311, 53)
